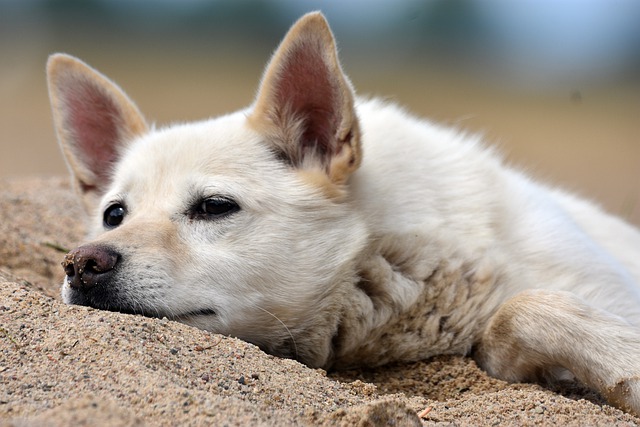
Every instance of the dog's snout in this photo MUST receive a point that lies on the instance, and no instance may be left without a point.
(89, 265)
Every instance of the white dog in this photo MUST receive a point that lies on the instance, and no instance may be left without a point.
(341, 231)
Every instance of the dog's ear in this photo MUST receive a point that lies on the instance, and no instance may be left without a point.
(305, 103)
(94, 121)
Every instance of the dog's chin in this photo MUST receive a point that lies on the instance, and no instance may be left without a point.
(94, 299)
(206, 320)
(72, 297)
(205, 313)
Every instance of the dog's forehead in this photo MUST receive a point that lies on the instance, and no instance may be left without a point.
(219, 147)
(215, 143)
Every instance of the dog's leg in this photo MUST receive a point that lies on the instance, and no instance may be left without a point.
(538, 331)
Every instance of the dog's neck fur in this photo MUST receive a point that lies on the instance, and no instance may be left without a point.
(413, 298)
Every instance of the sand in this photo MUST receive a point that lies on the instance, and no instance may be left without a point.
(64, 365)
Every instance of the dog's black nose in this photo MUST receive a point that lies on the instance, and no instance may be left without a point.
(89, 265)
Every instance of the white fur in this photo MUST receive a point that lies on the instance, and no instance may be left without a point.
(439, 179)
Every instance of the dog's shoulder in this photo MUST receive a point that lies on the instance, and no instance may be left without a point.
(417, 174)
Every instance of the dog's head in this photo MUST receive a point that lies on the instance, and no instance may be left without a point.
(240, 224)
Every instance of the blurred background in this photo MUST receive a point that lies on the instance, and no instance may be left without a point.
(554, 83)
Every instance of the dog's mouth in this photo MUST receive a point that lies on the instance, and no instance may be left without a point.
(143, 311)
(102, 299)
(159, 315)
(155, 314)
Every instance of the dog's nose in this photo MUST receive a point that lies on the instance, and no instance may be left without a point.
(89, 265)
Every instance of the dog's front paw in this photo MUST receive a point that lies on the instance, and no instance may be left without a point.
(625, 394)
(546, 332)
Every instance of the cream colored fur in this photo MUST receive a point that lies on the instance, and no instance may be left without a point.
(362, 236)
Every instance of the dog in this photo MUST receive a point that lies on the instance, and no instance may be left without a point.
(343, 232)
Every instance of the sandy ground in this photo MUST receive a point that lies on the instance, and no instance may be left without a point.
(63, 365)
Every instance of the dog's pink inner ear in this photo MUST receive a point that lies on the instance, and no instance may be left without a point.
(305, 105)
(305, 90)
(94, 121)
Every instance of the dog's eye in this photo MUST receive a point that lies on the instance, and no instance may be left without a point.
(216, 207)
(114, 215)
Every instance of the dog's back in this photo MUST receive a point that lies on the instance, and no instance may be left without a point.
(417, 177)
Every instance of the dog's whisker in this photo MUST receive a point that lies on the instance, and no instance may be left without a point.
(293, 340)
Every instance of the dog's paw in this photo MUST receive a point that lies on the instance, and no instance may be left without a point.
(625, 394)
